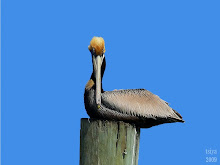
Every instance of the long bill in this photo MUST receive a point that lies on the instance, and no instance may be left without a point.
(97, 62)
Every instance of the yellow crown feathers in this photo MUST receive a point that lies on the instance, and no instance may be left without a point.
(98, 44)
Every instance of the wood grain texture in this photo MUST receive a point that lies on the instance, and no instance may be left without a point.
(108, 142)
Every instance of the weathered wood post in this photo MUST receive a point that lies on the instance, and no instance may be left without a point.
(108, 143)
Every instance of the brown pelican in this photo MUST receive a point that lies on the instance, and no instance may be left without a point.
(138, 106)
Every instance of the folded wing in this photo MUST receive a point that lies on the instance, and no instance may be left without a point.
(139, 102)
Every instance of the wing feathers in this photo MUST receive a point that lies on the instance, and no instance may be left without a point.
(138, 102)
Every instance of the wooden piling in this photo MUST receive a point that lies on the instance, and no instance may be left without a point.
(108, 143)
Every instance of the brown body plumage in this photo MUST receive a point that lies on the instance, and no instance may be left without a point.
(138, 106)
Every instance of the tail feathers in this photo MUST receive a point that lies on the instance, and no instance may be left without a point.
(181, 118)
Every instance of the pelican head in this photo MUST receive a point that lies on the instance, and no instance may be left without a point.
(97, 49)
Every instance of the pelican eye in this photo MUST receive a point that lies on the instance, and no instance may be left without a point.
(93, 50)
(98, 106)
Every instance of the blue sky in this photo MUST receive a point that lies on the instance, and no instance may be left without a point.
(168, 47)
